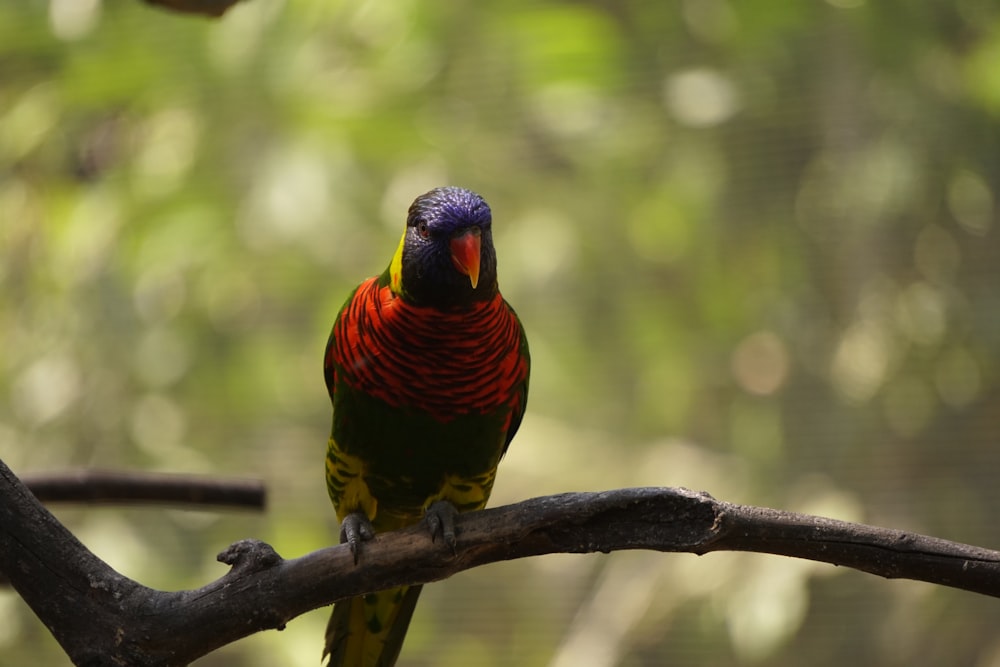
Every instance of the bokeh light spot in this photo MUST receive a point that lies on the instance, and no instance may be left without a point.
(760, 363)
(861, 360)
(700, 97)
(920, 313)
(46, 388)
(971, 202)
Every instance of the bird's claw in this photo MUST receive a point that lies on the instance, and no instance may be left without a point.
(355, 529)
(440, 519)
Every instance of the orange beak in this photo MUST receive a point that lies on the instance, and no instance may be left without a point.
(465, 253)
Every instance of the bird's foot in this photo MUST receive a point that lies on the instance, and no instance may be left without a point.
(355, 529)
(440, 519)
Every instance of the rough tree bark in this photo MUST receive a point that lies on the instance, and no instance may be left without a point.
(103, 618)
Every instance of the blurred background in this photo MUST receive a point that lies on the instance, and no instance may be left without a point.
(754, 245)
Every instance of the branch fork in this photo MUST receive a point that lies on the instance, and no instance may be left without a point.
(103, 618)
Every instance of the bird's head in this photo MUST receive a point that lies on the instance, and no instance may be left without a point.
(446, 257)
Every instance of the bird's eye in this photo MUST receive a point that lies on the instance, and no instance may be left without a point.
(423, 230)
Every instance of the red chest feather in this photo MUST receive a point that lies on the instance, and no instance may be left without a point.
(447, 363)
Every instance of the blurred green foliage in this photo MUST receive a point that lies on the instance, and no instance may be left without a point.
(754, 244)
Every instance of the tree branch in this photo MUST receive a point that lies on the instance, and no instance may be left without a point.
(105, 486)
(209, 8)
(103, 618)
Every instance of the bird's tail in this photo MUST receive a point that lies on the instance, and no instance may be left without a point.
(368, 631)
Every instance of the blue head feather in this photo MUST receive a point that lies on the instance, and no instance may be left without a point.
(429, 277)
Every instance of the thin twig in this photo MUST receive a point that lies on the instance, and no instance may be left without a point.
(141, 488)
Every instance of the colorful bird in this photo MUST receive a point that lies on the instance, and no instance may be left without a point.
(427, 367)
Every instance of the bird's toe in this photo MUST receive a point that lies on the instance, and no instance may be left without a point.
(440, 519)
(355, 529)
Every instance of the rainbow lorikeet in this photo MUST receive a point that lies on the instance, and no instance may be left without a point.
(427, 367)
